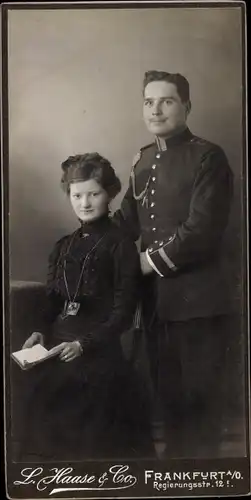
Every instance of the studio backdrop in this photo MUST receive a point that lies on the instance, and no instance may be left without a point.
(75, 86)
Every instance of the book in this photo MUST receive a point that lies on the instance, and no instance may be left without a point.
(31, 356)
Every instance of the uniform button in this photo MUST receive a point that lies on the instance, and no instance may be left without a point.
(153, 167)
(154, 228)
(152, 216)
(161, 243)
(150, 250)
(153, 191)
(158, 155)
(153, 179)
(156, 241)
(169, 239)
(153, 204)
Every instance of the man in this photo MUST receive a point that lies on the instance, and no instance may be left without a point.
(178, 202)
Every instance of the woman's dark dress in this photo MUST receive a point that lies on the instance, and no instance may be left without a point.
(89, 407)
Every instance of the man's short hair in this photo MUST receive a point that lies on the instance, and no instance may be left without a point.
(177, 79)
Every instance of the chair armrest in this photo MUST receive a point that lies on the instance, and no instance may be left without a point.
(26, 303)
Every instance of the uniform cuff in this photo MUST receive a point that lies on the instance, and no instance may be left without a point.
(161, 260)
(152, 264)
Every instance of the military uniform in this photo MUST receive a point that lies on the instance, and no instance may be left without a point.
(178, 202)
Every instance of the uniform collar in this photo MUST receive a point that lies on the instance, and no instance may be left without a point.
(164, 144)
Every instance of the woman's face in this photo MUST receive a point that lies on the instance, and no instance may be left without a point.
(89, 200)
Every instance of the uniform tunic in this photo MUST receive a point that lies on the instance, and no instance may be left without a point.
(181, 221)
(178, 203)
(89, 407)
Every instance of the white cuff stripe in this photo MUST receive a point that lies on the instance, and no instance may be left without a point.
(171, 240)
(168, 261)
(152, 264)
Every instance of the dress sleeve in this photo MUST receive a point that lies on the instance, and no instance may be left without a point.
(125, 297)
(53, 300)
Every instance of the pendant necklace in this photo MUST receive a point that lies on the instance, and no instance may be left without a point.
(71, 307)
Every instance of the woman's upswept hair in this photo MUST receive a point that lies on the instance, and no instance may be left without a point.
(83, 167)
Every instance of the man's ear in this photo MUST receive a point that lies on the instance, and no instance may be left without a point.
(188, 106)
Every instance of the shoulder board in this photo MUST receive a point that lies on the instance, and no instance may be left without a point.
(138, 155)
(147, 146)
(199, 141)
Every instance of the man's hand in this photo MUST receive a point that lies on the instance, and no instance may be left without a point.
(34, 338)
(146, 268)
(70, 350)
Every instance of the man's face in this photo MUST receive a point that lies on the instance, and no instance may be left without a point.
(164, 112)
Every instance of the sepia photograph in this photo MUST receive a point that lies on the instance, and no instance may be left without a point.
(125, 243)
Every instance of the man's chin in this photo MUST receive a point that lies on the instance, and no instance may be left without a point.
(159, 130)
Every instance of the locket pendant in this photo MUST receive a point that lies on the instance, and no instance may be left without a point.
(70, 309)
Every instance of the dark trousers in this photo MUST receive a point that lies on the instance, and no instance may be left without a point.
(188, 371)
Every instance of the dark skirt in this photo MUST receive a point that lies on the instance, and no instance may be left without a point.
(89, 408)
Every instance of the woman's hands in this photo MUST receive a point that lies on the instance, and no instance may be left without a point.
(70, 350)
(34, 338)
(67, 350)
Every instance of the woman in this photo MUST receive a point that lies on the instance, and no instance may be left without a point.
(84, 403)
